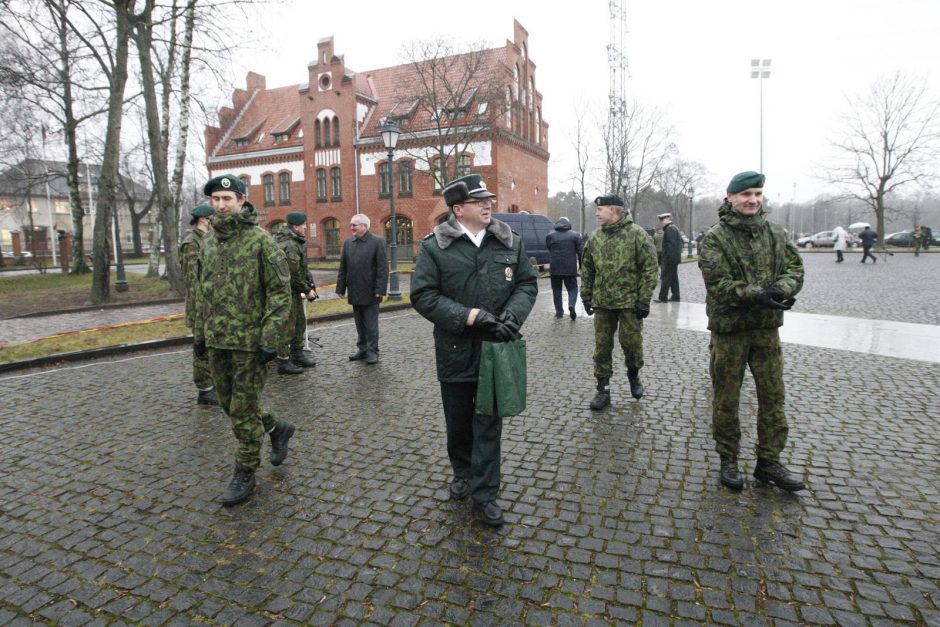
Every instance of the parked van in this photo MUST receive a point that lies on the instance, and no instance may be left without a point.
(533, 228)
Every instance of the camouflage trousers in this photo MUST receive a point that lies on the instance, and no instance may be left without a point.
(201, 375)
(239, 380)
(630, 335)
(730, 353)
(296, 327)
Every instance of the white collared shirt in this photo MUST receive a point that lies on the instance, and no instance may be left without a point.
(476, 239)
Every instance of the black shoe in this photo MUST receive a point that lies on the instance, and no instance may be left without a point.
(636, 386)
(239, 488)
(660, 300)
(602, 398)
(357, 356)
(372, 359)
(730, 476)
(459, 489)
(279, 439)
(302, 358)
(777, 474)
(572, 313)
(286, 366)
(207, 397)
(490, 512)
(558, 314)
(674, 300)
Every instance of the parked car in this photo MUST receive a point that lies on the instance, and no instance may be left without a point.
(533, 228)
(824, 239)
(901, 239)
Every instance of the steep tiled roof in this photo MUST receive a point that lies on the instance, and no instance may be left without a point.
(268, 112)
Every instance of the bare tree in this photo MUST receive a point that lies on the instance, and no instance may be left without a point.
(581, 144)
(677, 179)
(891, 139)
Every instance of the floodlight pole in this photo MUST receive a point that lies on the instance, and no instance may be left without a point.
(760, 69)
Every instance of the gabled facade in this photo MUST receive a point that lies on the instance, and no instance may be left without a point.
(315, 147)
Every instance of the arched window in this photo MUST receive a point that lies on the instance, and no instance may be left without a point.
(268, 183)
(284, 184)
(316, 133)
(384, 179)
(336, 184)
(326, 132)
(405, 169)
(321, 184)
(336, 131)
(405, 237)
(331, 232)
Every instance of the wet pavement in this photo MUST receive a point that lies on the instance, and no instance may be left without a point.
(109, 504)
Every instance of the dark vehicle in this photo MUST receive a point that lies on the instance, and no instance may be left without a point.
(533, 228)
(901, 239)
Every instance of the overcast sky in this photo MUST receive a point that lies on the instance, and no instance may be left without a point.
(689, 57)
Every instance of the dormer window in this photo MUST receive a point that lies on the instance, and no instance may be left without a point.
(280, 138)
(239, 142)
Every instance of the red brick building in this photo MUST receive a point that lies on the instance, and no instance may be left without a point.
(314, 147)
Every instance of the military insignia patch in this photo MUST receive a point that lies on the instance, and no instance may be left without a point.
(509, 274)
(226, 183)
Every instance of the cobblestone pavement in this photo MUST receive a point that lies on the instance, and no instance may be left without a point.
(109, 506)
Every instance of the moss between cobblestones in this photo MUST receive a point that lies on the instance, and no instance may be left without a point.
(92, 339)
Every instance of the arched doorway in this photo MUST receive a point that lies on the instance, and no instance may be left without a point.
(331, 239)
(405, 237)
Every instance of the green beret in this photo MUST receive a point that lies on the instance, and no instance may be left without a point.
(225, 183)
(613, 199)
(296, 217)
(202, 211)
(745, 180)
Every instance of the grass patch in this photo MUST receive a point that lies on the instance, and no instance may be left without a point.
(137, 333)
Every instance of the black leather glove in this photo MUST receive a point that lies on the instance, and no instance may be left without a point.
(641, 310)
(266, 354)
(200, 350)
(486, 321)
(495, 330)
(773, 297)
(508, 319)
(588, 309)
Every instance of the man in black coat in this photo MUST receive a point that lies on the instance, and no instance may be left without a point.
(565, 248)
(363, 270)
(868, 237)
(672, 255)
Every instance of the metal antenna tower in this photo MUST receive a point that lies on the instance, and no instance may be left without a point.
(619, 72)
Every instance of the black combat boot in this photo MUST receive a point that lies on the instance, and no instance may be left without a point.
(776, 473)
(239, 488)
(572, 313)
(280, 435)
(207, 397)
(730, 476)
(490, 512)
(286, 366)
(302, 358)
(602, 398)
(636, 386)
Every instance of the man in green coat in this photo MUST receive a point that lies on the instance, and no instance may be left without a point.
(752, 273)
(190, 250)
(291, 356)
(475, 283)
(244, 303)
(618, 276)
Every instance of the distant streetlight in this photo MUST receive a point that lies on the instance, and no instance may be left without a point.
(760, 69)
(691, 208)
(390, 132)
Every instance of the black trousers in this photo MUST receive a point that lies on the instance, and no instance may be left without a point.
(866, 253)
(669, 280)
(367, 327)
(570, 283)
(473, 441)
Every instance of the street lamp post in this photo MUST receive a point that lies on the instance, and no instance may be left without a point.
(760, 69)
(390, 132)
(691, 209)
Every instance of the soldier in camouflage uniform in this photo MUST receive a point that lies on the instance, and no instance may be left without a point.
(618, 275)
(291, 356)
(190, 249)
(752, 272)
(244, 303)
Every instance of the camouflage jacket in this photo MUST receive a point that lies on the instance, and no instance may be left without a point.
(740, 256)
(452, 276)
(244, 296)
(190, 249)
(619, 269)
(293, 246)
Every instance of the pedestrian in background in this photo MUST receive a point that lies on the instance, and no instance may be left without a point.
(839, 242)
(190, 251)
(292, 358)
(618, 276)
(474, 281)
(565, 248)
(868, 238)
(752, 273)
(918, 239)
(671, 258)
(363, 272)
(244, 304)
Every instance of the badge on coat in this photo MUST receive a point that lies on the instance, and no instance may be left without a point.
(509, 274)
